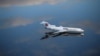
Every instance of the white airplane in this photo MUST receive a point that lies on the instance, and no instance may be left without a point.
(62, 30)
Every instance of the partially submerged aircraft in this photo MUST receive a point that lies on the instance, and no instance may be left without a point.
(60, 30)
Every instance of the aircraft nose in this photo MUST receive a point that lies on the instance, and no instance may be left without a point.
(81, 30)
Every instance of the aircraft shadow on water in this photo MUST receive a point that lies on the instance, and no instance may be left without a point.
(51, 34)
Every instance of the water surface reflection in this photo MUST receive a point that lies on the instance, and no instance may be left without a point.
(51, 34)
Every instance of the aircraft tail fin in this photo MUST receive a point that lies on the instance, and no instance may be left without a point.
(46, 24)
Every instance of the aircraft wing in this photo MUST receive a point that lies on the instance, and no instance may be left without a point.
(58, 34)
